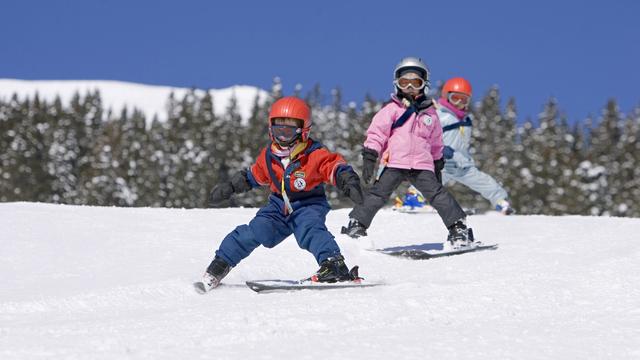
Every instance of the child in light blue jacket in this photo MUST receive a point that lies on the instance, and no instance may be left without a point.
(452, 110)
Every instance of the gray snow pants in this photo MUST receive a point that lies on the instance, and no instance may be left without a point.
(475, 180)
(424, 180)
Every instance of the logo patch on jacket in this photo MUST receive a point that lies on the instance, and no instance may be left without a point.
(298, 174)
(299, 184)
(427, 120)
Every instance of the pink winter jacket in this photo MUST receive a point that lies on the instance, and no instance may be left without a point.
(414, 145)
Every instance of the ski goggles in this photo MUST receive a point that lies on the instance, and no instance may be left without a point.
(285, 134)
(404, 83)
(457, 98)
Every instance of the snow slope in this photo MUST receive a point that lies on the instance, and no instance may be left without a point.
(115, 283)
(150, 99)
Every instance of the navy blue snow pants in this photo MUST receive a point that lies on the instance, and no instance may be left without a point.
(270, 227)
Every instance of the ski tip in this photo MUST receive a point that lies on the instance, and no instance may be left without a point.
(354, 274)
(254, 286)
(199, 288)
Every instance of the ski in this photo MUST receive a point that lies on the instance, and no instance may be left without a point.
(198, 286)
(294, 285)
(432, 250)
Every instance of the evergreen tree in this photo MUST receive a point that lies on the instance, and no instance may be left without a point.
(314, 97)
(105, 180)
(604, 153)
(358, 132)
(182, 153)
(334, 129)
(508, 164)
(133, 156)
(326, 127)
(87, 116)
(156, 171)
(525, 199)
(11, 115)
(32, 182)
(576, 199)
(257, 128)
(628, 199)
(546, 168)
(64, 151)
(256, 137)
(625, 179)
(206, 170)
(233, 157)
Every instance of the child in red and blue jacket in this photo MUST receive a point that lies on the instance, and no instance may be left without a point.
(295, 167)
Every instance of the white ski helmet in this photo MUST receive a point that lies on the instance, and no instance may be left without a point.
(412, 64)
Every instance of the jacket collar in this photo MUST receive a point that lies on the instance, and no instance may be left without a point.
(422, 104)
(459, 114)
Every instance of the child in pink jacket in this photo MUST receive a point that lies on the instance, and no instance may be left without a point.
(406, 136)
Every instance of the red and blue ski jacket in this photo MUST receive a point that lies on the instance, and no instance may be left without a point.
(305, 175)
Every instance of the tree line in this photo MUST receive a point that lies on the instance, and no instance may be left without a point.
(81, 153)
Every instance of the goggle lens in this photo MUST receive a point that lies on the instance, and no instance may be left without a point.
(285, 134)
(404, 83)
(457, 98)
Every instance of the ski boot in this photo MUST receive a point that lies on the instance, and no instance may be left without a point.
(334, 270)
(504, 207)
(216, 271)
(460, 236)
(355, 229)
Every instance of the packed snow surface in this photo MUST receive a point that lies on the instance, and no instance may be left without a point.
(116, 283)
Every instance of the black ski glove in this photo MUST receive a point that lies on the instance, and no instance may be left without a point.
(220, 193)
(349, 183)
(369, 158)
(223, 191)
(439, 165)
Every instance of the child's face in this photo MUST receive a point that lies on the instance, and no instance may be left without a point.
(411, 84)
(286, 131)
(411, 91)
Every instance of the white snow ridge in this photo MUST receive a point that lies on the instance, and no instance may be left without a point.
(116, 283)
(116, 95)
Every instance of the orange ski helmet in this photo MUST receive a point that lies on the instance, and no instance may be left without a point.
(293, 108)
(459, 85)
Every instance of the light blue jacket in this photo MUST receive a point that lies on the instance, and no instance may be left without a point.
(459, 139)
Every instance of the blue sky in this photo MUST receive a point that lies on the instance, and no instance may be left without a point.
(580, 52)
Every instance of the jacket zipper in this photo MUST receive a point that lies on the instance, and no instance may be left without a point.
(413, 128)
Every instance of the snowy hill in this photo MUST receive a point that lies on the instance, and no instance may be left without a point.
(115, 283)
(117, 95)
